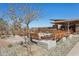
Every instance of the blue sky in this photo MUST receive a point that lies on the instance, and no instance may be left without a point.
(49, 11)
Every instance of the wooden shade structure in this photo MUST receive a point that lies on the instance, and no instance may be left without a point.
(66, 22)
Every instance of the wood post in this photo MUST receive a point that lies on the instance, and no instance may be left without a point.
(68, 26)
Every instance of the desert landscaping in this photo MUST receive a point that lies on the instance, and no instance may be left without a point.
(18, 38)
(11, 46)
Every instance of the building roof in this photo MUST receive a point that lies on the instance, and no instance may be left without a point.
(57, 19)
(73, 21)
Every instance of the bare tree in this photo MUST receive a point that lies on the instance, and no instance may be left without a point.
(3, 27)
(16, 20)
(29, 14)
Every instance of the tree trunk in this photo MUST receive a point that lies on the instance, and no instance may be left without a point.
(29, 40)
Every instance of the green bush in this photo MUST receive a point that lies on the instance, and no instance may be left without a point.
(10, 45)
(3, 36)
(21, 43)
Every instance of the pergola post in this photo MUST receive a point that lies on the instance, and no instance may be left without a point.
(68, 26)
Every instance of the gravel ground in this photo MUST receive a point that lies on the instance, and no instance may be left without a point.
(61, 49)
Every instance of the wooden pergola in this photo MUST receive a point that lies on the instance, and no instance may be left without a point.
(66, 22)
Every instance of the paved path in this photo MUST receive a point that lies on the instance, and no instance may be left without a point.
(74, 51)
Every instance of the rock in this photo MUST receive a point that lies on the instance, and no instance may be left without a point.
(70, 36)
(35, 40)
(47, 43)
(64, 39)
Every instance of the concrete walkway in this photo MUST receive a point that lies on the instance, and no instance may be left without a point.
(74, 51)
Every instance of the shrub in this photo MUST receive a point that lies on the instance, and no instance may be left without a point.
(21, 43)
(10, 45)
(3, 36)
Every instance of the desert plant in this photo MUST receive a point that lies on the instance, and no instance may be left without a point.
(3, 26)
(21, 43)
(16, 25)
(30, 15)
(10, 45)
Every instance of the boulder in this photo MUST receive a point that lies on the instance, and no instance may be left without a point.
(64, 39)
(47, 43)
(70, 36)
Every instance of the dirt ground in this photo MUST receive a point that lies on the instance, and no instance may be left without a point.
(61, 49)
(4, 43)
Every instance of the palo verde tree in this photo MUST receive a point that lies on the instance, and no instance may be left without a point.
(29, 14)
